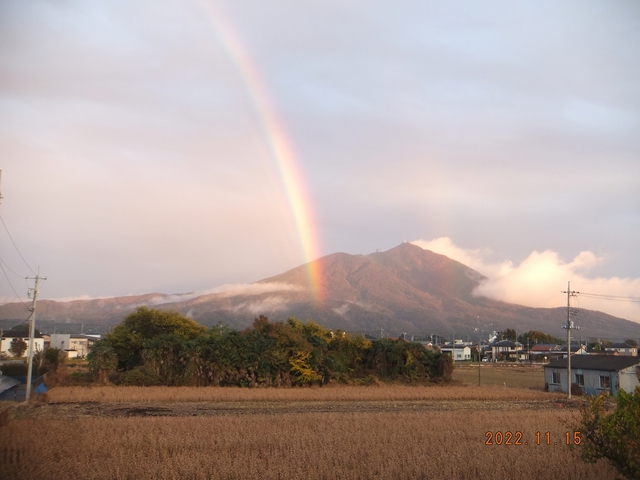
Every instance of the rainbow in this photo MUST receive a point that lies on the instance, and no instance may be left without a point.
(280, 146)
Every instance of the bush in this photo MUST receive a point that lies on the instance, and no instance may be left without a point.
(614, 436)
(142, 377)
(14, 370)
(576, 390)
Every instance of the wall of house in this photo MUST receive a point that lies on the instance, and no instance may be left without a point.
(60, 341)
(5, 345)
(556, 387)
(592, 382)
(81, 345)
(629, 379)
(626, 379)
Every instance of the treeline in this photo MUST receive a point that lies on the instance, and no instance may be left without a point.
(156, 347)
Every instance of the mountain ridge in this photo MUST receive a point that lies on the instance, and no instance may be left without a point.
(404, 289)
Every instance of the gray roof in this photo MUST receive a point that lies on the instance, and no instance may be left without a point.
(6, 383)
(17, 334)
(596, 362)
(504, 343)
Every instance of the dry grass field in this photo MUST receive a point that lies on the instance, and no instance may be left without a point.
(377, 432)
(518, 376)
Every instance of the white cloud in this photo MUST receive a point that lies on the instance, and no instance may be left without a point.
(342, 310)
(538, 280)
(269, 304)
(255, 289)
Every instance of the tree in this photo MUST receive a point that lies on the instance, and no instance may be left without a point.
(102, 360)
(508, 334)
(23, 327)
(535, 337)
(54, 357)
(18, 347)
(144, 324)
(631, 342)
(613, 436)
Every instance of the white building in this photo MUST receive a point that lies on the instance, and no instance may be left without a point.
(9, 336)
(461, 352)
(74, 345)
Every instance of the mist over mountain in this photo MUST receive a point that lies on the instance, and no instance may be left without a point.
(405, 289)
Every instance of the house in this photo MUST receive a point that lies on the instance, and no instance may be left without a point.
(575, 350)
(595, 374)
(622, 349)
(74, 345)
(9, 336)
(544, 352)
(461, 352)
(507, 350)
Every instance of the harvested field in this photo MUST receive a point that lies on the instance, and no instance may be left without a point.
(499, 374)
(327, 394)
(385, 432)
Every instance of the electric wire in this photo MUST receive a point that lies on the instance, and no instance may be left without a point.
(10, 284)
(9, 268)
(16, 247)
(615, 298)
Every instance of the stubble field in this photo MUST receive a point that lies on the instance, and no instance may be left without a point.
(391, 432)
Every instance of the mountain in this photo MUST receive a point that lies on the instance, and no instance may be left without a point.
(405, 289)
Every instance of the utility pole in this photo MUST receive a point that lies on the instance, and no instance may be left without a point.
(569, 326)
(453, 347)
(479, 356)
(32, 331)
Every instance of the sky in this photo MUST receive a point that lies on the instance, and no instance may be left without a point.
(180, 146)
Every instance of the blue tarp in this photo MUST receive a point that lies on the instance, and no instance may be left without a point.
(40, 389)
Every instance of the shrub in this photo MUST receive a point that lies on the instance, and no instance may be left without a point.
(15, 370)
(614, 436)
(142, 377)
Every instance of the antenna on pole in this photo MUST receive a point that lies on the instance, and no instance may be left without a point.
(570, 293)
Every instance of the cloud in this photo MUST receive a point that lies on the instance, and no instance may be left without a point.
(255, 289)
(269, 304)
(539, 279)
(225, 291)
(342, 310)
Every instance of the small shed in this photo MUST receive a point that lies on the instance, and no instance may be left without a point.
(595, 374)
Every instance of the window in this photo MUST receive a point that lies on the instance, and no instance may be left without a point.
(605, 382)
(555, 377)
(580, 379)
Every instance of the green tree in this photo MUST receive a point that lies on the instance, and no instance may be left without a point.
(163, 355)
(508, 334)
(102, 360)
(23, 327)
(534, 337)
(631, 342)
(17, 347)
(54, 357)
(128, 338)
(614, 436)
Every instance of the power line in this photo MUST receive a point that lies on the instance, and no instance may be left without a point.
(16, 247)
(10, 284)
(9, 268)
(616, 298)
